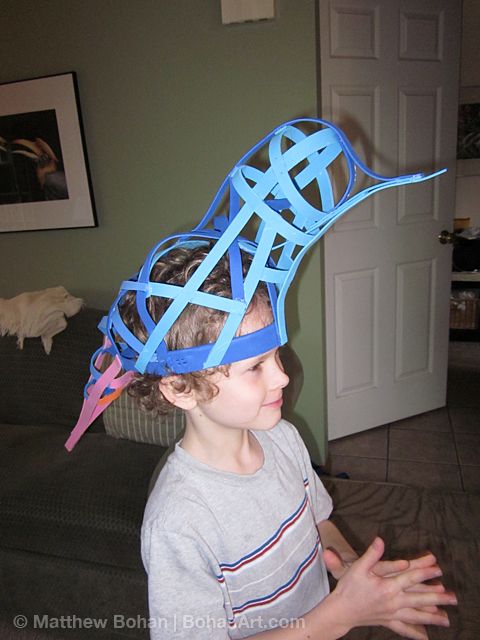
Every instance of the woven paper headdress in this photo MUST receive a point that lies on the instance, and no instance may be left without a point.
(289, 199)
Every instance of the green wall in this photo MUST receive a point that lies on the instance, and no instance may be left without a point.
(170, 100)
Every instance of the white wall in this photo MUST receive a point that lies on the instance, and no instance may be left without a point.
(468, 186)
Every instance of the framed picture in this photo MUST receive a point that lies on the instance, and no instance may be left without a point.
(468, 137)
(44, 178)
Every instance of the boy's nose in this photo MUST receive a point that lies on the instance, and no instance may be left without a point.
(279, 377)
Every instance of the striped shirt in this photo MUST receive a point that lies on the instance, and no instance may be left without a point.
(231, 555)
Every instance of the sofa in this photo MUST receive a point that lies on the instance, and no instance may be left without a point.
(69, 522)
(70, 565)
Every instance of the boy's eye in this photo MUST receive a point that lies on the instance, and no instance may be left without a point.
(255, 367)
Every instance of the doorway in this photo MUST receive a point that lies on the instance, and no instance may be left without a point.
(389, 77)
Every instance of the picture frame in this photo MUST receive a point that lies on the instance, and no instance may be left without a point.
(468, 127)
(44, 176)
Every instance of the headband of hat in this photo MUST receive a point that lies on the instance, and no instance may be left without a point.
(275, 200)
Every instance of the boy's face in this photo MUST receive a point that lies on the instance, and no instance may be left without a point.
(250, 396)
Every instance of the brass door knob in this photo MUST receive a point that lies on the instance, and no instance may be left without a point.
(445, 237)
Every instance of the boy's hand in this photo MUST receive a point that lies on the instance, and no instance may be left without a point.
(390, 594)
(337, 566)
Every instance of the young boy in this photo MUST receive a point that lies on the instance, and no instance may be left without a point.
(236, 538)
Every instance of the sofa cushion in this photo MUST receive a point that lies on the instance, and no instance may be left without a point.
(86, 506)
(41, 389)
(124, 419)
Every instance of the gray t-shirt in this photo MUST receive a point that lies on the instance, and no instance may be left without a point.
(230, 555)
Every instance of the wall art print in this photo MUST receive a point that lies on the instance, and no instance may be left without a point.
(468, 132)
(44, 179)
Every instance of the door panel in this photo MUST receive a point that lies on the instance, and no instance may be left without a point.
(356, 297)
(415, 319)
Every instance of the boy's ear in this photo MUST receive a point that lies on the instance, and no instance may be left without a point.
(182, 399)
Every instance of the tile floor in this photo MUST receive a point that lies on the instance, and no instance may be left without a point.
(439, 449)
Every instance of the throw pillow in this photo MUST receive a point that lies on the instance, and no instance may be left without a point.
(124, 419)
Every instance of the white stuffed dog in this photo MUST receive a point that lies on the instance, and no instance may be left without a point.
(36, 314)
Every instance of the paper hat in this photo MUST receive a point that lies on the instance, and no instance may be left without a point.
(287, 196)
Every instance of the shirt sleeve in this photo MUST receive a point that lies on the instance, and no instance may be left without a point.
(185, 597)
(319, 497)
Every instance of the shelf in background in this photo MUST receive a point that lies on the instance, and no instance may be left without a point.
(465, 280)
(465, 276)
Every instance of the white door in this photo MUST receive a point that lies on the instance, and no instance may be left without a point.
(389, 78)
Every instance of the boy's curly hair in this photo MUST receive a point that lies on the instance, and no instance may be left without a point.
(195, 326)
